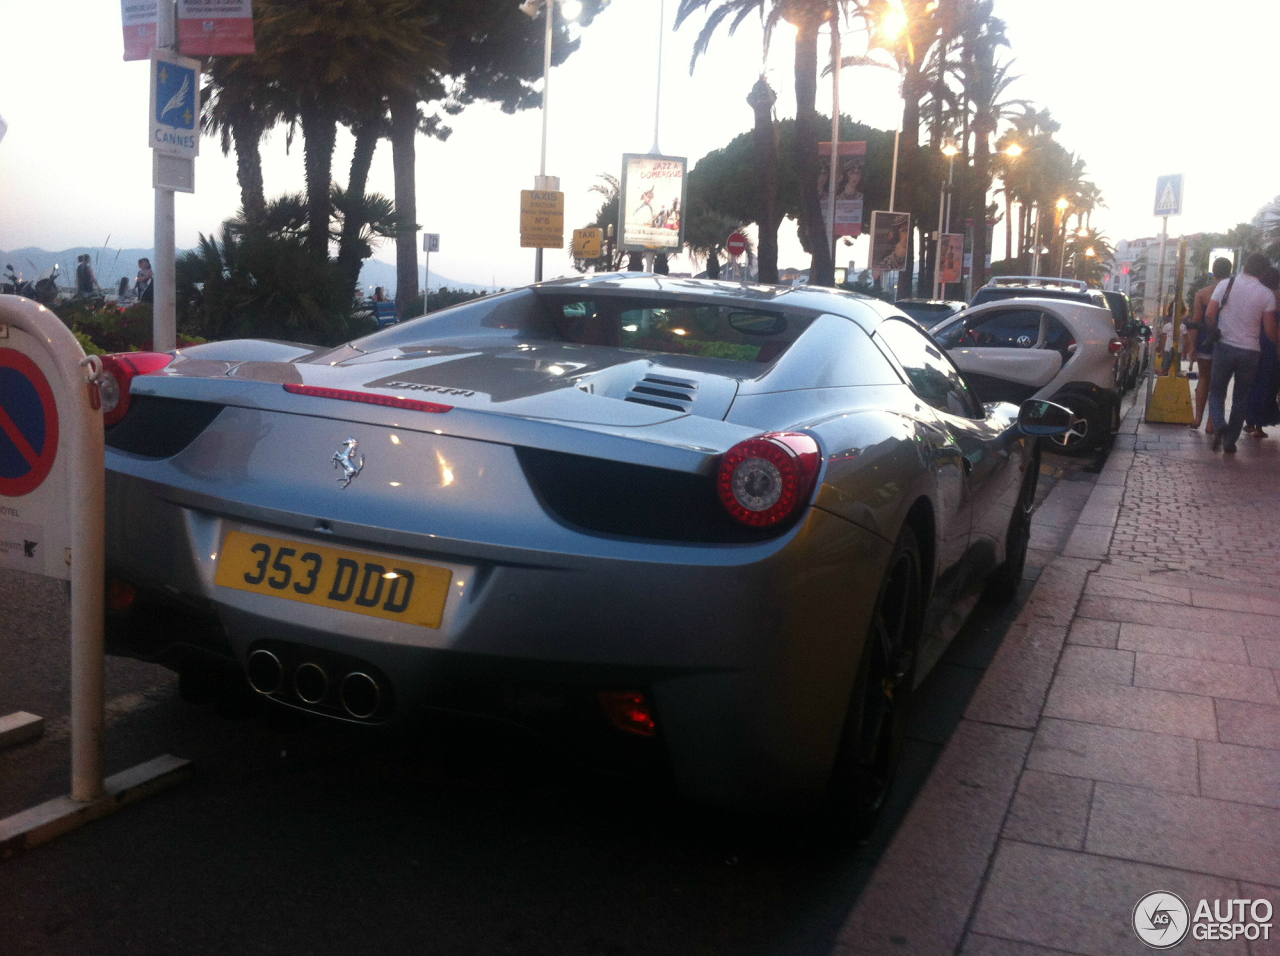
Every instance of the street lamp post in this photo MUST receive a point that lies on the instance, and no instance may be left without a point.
(949, 151)
(569, 9)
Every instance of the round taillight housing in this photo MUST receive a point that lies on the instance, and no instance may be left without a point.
(764, 481)
(118, 372)
(1116, 346)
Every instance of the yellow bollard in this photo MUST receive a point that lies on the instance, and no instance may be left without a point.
(1171, 400)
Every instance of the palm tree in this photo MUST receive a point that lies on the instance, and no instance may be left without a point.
(706, 232)
(1089, 256)
(240, 106)
(765, 150)
(806, 16)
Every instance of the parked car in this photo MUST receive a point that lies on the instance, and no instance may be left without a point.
(1040, 287)
(929, 312)
(1010, 350)
(718, 532)
(1130, 329)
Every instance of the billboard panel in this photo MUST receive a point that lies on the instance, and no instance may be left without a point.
(890, 237)
(139, 18)
(651, 211)
(849, 168)
(951, 256)
(215, 27)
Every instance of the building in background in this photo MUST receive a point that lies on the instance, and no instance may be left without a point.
(1137, 269)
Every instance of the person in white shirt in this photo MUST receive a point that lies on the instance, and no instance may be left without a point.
(1241, 308)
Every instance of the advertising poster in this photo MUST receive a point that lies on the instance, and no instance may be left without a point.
(651, 213)
(139, 17)
(215, 27)
(849, 169)
(950, 256)
(890, 238)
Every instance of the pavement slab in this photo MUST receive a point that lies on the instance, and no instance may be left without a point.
(1243, 774)
(1253, 725)
(1115, 754)
(1050, 809)
(1200, 834)
(1227, 648)
(1134, 708)
(1078, 902)
(1094, 633)
(1207, 678)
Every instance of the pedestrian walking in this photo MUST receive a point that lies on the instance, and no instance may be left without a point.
(1263, 410)
(1202, 346)
(1241, 309)
(143, 285)
(86, 281)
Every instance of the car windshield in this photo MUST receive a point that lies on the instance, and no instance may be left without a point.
(992, 294)
(926, 314)
(707, 330)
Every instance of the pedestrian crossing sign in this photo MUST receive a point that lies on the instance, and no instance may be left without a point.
(1169, 195)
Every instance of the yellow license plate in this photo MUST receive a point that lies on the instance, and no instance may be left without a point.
(373, 584)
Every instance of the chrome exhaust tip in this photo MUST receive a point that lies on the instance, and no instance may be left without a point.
(265, 672)
(359, 695)
(310, 683)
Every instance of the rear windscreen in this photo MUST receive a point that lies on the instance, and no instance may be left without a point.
(674, 328)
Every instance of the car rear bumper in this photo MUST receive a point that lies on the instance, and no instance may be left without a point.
(747, 652)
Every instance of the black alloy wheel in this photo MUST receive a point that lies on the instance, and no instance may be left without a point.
(1005, 580)
(875, 723)
(1086, 428)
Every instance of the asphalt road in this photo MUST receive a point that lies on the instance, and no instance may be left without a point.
(447, 840)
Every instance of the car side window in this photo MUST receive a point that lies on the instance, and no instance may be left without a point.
(1003, 329)
(929, 372)
(1058, 337)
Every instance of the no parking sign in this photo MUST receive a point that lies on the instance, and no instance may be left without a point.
(34, 531)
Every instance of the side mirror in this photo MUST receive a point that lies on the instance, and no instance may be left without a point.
(1041, 419)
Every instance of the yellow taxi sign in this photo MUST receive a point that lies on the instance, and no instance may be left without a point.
(541, 218)
(588, 243)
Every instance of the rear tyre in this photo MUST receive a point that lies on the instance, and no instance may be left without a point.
(875, 722)
(1088, 426)
(1004, 582)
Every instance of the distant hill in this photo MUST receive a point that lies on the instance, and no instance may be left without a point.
(109, 265)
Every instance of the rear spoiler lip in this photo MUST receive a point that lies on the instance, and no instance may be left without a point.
(688, 443)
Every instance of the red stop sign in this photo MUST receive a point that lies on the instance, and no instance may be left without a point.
(737, 244)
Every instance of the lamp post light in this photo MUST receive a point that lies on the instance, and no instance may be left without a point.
(569, 9)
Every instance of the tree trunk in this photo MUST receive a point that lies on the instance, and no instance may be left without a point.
(319, 131)
(1008, 223)
(713, 264)
(404, 127)
(348, 253)
(660, 267)
(813, 233)
(765, 149)
(635, 262)
(1022, 229)
(247, 136)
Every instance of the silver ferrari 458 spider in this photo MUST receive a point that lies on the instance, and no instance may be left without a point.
(712, 531)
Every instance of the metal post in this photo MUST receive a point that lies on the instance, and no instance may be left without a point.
(893, 177)
(1176, 353)
(1035, 238)
(657, 98)
(1164, 235)
(937, 258)
(426, 288)
(835, 133)
(164, 323)
(546, 95)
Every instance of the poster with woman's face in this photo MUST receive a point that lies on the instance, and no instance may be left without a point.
(652, 202)
(890, 237)
(849, 168)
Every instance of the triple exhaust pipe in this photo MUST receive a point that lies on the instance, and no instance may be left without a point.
(358, 694)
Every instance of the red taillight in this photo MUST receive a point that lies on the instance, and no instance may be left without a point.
(118, 371)
(1116, 345)
(388, 401)
(763, 481)
(629, 711)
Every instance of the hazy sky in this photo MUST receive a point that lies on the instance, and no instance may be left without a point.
(1142, 87)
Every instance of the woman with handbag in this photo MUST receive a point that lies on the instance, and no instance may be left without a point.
(1205, 337)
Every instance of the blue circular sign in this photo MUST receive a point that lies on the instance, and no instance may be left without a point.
(28, 425)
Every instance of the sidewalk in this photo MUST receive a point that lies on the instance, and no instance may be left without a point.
(1126, 738)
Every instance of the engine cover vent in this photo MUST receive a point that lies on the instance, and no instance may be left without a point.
(663, 392)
